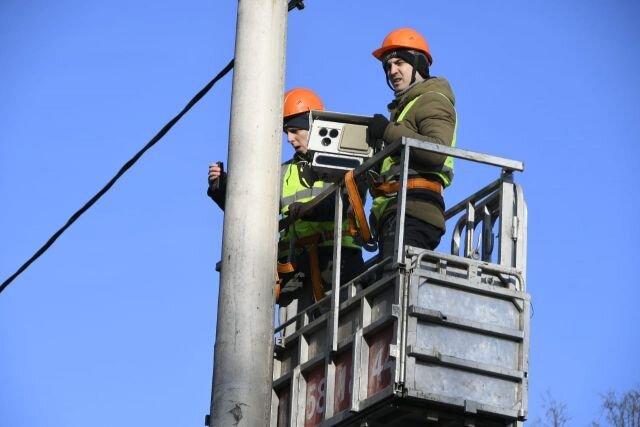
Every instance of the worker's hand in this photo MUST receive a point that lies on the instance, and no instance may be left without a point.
(294, 210)
(215, 171)
(377, 126)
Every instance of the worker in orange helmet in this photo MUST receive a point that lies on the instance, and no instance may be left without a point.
(305, 249)
(423, 108)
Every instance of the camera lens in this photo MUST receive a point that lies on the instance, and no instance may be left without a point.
(326, 142)
(333, 133)
(322, 132)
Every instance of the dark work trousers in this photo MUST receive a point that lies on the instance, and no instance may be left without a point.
(296, 292)
(416, 233)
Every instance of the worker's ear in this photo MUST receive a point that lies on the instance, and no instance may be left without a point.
(422, 65)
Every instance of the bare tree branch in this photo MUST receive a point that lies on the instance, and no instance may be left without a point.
(623, 411)
(556, 414)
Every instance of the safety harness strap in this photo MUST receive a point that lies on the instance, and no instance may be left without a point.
(358, 208)
(314, 264)
(311, 243)
(381, 189)
(387, 188)
(316, 279)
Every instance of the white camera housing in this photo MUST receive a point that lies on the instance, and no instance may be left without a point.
(337, 142)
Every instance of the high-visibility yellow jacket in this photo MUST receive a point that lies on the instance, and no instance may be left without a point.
(299, 186)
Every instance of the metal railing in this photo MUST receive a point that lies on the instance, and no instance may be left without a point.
(500, 200)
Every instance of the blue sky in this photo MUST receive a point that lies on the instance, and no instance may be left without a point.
(115, 324)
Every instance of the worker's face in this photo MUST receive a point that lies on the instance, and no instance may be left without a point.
(298, 138)
(399, 73)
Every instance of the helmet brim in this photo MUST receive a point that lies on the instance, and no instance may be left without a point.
(382, 51)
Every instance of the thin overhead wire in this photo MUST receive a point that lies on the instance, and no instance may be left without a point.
(121, 172)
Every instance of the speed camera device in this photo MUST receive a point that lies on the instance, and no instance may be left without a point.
(338, 142)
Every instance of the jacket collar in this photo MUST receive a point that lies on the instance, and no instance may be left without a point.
(405, 96)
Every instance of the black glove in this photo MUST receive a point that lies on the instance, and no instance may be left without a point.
(294, 210)
(377, 126)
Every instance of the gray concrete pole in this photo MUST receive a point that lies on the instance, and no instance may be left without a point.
(243, 359)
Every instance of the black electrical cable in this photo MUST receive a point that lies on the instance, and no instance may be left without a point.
(293, 4)
(122, 170)
(296, 4)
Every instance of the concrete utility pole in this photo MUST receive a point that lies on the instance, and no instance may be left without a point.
(244, 338)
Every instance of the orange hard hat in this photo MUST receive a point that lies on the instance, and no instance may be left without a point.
(403, 38)
(299, 100)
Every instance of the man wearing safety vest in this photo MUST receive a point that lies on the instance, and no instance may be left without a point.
(423, 109)
(305, 249)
